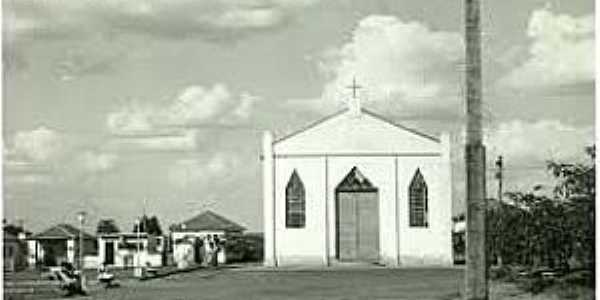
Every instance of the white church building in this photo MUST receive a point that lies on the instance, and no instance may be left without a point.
(355, 187)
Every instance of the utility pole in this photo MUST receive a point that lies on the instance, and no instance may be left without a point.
(137, 270)
(81, 218)
(476, 271)
(499, 176)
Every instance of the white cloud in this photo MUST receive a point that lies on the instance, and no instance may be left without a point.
(197, 104)
(95, 162)
(403, 65)
(44, 156)
(246, 105)
(130, 119)
(190, 172)
(38, 145)
(528, 143)
(171, 125)
(165, 18)
(561, 52)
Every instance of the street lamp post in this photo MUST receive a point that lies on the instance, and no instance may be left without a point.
(137, 271)
(81, 218)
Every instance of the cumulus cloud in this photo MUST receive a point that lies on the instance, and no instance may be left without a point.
(38, 145)
(171, 125)
(130, 119)
(96, 162)
(45, 156)
(188, 172)
(561, 52)
(401, 65)
(90, 57)
(196, 103)
(539, 141)
(183, 18)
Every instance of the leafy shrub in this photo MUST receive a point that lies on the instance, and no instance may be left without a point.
(580, 278)
(536, 285)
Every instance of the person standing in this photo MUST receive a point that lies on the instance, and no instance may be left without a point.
(217, 249)
(211, 254)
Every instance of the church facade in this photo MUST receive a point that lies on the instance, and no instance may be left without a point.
(355, 187)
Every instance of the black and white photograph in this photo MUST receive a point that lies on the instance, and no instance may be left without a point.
(298, 149)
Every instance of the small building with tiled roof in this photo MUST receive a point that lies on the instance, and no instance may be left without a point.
(14, 254)
(196, 233)
(60, 243)
(209, 221)
(15, 247)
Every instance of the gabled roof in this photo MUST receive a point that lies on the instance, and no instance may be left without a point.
(9, 236)
(363, 134)
(61, 231)
(209, 220)
(16, 230)
(365, 111)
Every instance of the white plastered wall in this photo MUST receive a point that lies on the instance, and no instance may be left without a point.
(301, 245)
(323, 155)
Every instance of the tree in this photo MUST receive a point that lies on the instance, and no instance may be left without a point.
(576, 188)
(107, 226)
(154, 226)
(548, 230)
(149, 225)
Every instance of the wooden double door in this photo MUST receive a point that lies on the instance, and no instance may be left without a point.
(358, 225)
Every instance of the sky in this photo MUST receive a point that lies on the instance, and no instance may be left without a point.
(109, 105)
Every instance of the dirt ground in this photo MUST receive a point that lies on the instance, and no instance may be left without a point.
(338, 284)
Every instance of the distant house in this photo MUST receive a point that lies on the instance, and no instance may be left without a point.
(130, 249)
(60, 243)
(190, 234)
(15, 247)
(15, 252)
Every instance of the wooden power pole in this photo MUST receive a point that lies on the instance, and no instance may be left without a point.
(476, 271)
(499, 176)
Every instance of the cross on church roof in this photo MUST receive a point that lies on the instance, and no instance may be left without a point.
(354, 87)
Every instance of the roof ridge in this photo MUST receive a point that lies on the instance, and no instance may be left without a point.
(213, 217)
(61, 227)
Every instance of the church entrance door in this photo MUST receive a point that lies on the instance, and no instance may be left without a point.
(357, 222)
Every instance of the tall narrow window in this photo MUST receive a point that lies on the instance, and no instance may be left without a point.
(417, 195)
(295, 202)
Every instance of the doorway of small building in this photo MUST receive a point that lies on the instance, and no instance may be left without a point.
(357, 219)
(109, 253)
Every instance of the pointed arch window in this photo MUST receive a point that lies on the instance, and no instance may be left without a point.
(417, 195)
(295, 204)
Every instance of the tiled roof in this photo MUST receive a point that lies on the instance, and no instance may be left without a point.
(61, 231)
(16, 230)
(9, 236)
(209, 220)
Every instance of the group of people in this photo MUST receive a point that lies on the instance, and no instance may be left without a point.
(211, 246)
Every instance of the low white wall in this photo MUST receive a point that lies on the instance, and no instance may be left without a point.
(91, 262)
